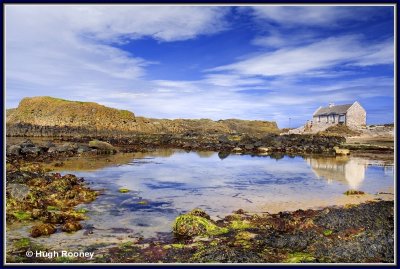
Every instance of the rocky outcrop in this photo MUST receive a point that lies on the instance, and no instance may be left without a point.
(48, 111)
(47, 116)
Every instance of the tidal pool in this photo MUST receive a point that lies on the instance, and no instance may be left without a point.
(166, 183)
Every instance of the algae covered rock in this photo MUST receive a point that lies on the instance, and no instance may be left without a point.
(43, 229)
(101, 145)
(71, 226)
(192, 224)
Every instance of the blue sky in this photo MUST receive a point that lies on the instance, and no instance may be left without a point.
(248, 62)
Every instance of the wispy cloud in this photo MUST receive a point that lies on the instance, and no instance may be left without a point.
(320, 16)
(318, 55)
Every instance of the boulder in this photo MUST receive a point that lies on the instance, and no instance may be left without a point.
(42, 229)
(14, 150)
(340, 151)
(189, 225)
(71, 226)
(17, 191)
(263, 149)
(101, 145)
(30, 150)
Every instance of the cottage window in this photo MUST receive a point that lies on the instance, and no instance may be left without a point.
(319, 118)
(327, 119)
(333, 118)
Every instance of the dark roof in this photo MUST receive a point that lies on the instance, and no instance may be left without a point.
(340, 109)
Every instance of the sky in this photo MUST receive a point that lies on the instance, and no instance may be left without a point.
(265, 62)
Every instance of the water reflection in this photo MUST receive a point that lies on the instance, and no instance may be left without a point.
(165, 183)
(343, 169)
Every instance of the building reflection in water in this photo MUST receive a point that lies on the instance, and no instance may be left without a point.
(340, 168)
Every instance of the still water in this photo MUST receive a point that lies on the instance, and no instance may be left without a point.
(165, 183)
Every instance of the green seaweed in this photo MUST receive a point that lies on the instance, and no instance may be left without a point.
(123, 190)
(189, 225)
(22, 215)
(299, 257)
(22, 243)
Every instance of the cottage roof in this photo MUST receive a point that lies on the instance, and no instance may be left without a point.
(340, 109)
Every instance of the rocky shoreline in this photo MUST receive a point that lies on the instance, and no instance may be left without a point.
(352, 234)
(47, 203)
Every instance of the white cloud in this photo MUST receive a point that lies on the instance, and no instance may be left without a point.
(51, 47)
(289, 16)
(276, 39)
(319, 55)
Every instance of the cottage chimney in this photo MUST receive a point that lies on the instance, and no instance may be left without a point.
(331, 104)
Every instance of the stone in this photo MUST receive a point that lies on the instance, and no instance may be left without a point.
(18, 191)
(30, 150)
(71, 226)
(188, 225)
(263, 149)
(249, 146)
(14, 150)
(101, 145)
(340, 151)
(42, 229)
(83, 148)
(237, 149)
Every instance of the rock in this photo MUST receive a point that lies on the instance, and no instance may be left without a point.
(66, 147)
(71, 226)
(14, 150)
(263, 149)
(27, 144)
(340, 151)
(223, 155)
(200, 213)
(18, 191)
(237, 149)
(223, 139)
(354, 192)
(52, 150)
(30, 150)
(123, 190)
(249, 146)
(189, 225)
(101, 145)
(83, 148)
(42, 229)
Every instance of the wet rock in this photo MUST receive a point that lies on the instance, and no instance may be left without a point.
(101, 145)
(226, 254)
(30, 150)
(249, 146)
(18, 191)
(224, 139)
(66, 147)
(83, 148)
(42, 229)
(263, 149)
(71, 226)
(27, 144)
(354, 192)
(200, 213)
(340, 151)
(223, 155)
(188, 225)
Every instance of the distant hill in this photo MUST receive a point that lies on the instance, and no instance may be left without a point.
(55, 112)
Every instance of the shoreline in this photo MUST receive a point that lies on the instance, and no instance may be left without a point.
(245, 234)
